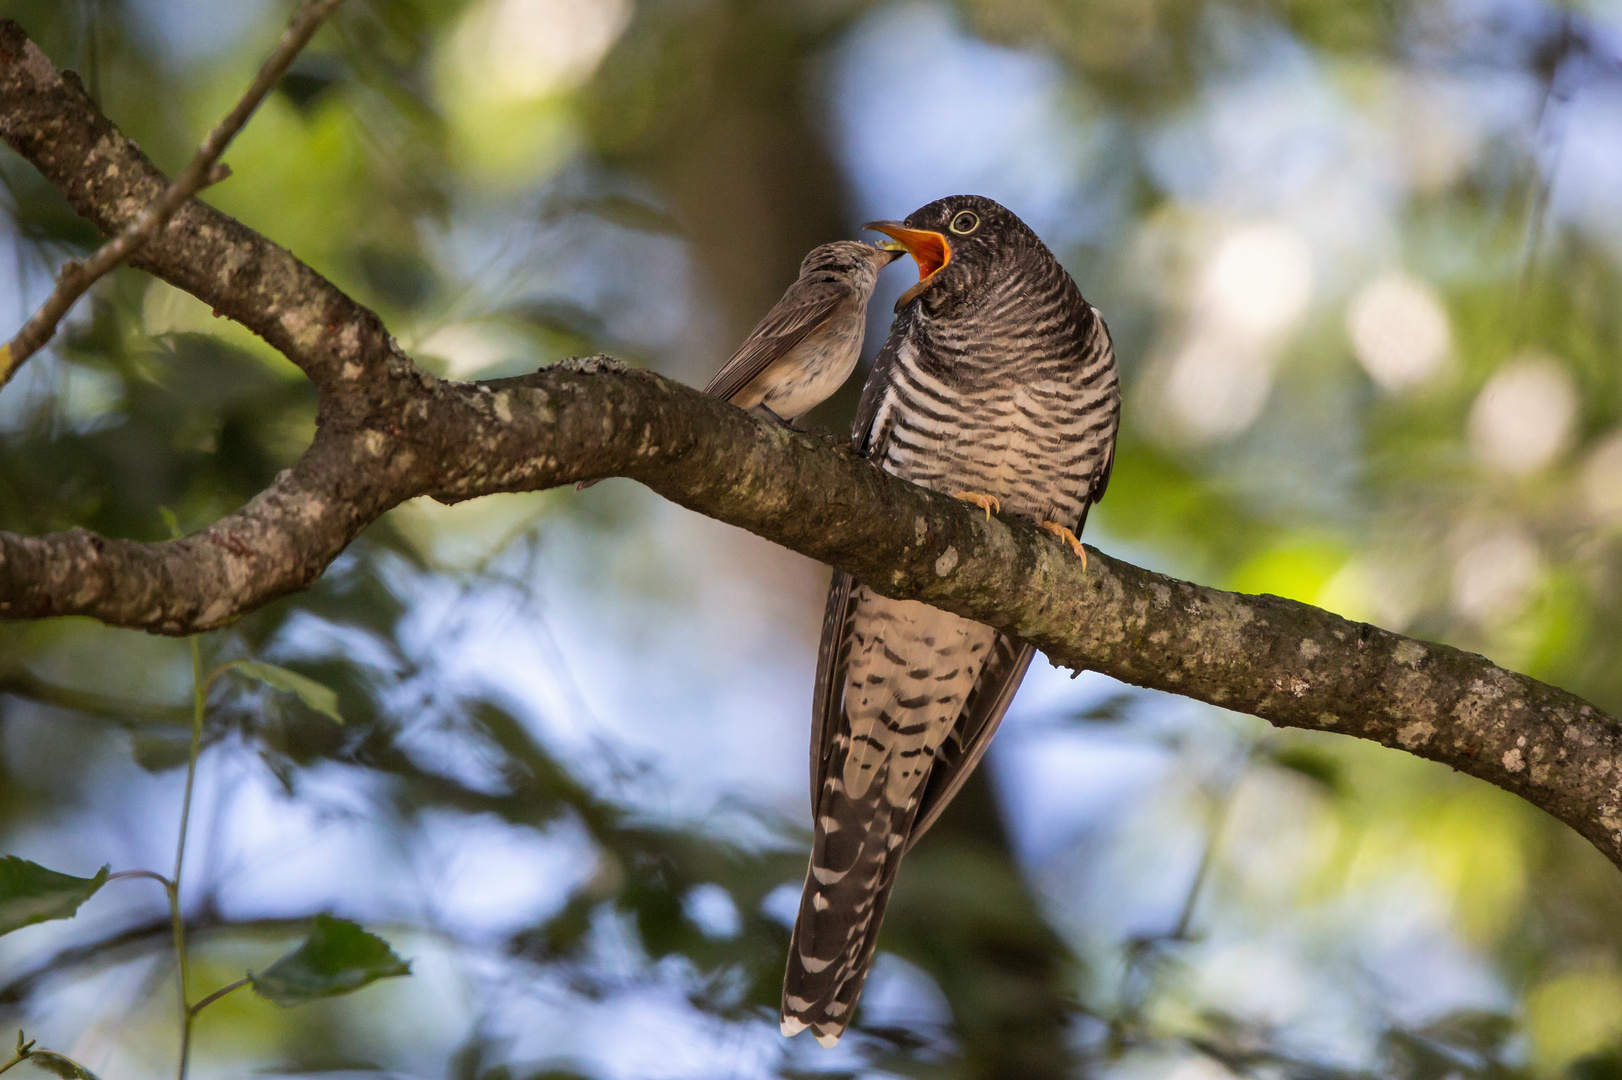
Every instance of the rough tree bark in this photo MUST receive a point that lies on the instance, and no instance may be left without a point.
(389, 431)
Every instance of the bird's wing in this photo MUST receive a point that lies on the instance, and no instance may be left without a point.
(1097, 495)
(833, 654)
(983, 710)
(1100, 482)
(992, 694)
(893, 678)
(1096, 486)
(805, 306)
(870, 443)
(906, 702)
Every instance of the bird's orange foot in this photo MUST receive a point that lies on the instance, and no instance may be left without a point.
(1070, 538)
(988, 503)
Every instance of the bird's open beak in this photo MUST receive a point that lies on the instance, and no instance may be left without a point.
(928, 249)
(891, 249)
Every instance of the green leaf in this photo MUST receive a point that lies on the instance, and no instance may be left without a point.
(67, 1068)
(337, 958)
(29, 893)
(170, 520)
(320, 698)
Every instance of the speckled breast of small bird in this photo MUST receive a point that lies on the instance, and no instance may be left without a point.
(799, 382)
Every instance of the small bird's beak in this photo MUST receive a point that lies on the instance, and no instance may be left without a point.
(928, 249)
(891, 249)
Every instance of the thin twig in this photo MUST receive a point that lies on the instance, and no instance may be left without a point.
(24, 1049)
(60, 1064)
(203, 169)
(147, 938)
(1551, 131)
(199, 700)
(1222, 804)
(159, 878)
(1142, 948)
(218, 994)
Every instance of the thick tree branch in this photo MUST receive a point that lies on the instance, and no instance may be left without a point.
(279, 542)
(390, 431)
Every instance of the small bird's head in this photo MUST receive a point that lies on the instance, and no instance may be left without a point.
(849, 261)
(961, 243)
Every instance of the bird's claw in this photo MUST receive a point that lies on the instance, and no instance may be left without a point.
(1070, 538)
(988, 503)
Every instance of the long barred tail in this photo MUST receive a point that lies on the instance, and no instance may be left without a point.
(853, 865)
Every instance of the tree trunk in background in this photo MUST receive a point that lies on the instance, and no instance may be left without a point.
(725, 132)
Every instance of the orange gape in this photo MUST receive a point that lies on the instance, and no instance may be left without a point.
(928, 249)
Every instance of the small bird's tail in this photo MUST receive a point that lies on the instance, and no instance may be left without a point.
(853, 865)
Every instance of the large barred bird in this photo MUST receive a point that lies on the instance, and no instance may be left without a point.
(998, 385)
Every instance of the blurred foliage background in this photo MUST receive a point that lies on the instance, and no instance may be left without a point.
(1361, 261)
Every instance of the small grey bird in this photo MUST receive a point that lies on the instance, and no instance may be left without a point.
(807, 345)
(998, 385)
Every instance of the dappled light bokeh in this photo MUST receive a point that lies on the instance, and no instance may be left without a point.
(1362, 264)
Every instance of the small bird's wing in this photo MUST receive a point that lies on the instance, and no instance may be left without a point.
(804, 307)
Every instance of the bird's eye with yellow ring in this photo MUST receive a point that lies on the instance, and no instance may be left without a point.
(964, 222)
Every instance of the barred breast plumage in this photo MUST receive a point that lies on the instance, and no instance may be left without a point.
(998, 379)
